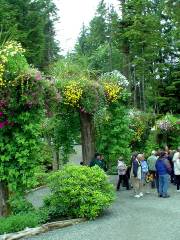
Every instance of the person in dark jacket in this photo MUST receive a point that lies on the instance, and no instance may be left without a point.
(163, 169)
(103, 163)
(95, 160)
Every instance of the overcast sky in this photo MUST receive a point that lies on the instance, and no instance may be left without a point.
(72, 14)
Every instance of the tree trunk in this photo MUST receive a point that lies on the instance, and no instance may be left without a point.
(55, 154)
(87, 136)
(125, 45)
(55, 164)
(4, 209)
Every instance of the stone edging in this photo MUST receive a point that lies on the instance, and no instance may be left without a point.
(44, 228)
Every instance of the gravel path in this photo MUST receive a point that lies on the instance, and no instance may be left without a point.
(146, 218)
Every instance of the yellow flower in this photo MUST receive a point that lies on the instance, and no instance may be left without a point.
(11, 48)
(112, 91)
(72, 94)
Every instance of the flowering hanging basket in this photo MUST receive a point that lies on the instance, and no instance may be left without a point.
(164, 125)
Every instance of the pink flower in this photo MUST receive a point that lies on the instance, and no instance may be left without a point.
(38, 76)
(1, 113)
(1, 124)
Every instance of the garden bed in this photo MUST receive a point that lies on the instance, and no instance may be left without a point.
(43, 228)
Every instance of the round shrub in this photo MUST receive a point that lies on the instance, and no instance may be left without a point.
(79, 191)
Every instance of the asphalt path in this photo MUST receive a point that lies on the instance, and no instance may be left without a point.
(146, 218)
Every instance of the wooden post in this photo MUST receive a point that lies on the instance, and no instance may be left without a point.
(87, 136)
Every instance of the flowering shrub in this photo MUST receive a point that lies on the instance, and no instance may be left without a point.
(9, 50)
(22, 101)
(164, 132)
(112, 91)
(85, 91)
(164, 125)
(90, 95)
(167, 123)
(72, 94)
(138, 124)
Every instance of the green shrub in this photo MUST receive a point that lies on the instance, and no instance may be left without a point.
(18, 222)
(19, 204)
(112, 171)
(40, 176)
(151, 143)
(79, 191)
(21, 221)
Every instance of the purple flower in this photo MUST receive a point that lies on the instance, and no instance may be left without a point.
(2, 103)
(1, 113)
(6, 122)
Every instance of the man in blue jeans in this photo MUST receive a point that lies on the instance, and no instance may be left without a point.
(163, 169)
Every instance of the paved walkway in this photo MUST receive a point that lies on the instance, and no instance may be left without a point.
(147, 218)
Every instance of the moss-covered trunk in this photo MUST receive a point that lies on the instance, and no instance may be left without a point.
(4, 209)
(87, 136)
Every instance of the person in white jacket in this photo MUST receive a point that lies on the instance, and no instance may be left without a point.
(176, 161)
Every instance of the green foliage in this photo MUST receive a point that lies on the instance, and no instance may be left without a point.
(141, 124)
(143, 43)
(112, 170)
(165, 132)
(114, 135)
(17, 223)
(79, 191)
(40, 172)
(149, 40)
(61, 131)
(22, 109)
(20, 147)
(19, 205)
(98, 41)
(32, 24)
(151, 143)
(22, 219)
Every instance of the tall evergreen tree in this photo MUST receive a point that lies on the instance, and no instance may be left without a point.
(98, 41)
(31, 23)
(147, 28)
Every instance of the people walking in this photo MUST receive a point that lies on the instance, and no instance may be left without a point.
(163, 169)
